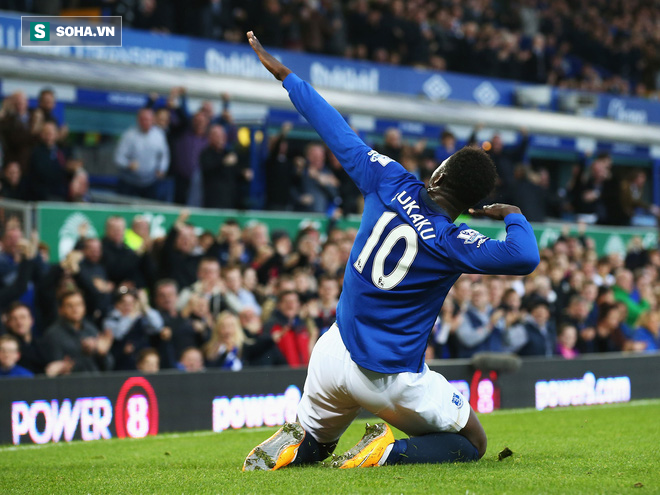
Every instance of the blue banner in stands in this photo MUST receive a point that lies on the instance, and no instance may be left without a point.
(238, 60)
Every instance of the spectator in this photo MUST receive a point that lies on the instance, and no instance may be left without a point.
(279, 171)
(47, 176)
(143, 158)
(17, 130)
(217, 19)
(577, 313)
(566, 342)
(477, 331)
(589, 190)
(12, 185)
(138, 237)
(19, 323)
(636, 255)
(178, 332)
(541, 290)
(623, 289)
(93, 280)
(179, 256)
(237, 292)
(541, 336)
(227, 344)
(533, 195)
(73, 344)
(351, 199)
(229, 236)
(603, 276)
(630, 200)
(221, 172)
(447, 146)
(324, 309)
(45, 112)
(134, 325)
(292, 329)
(263, 350)
(505, 160)
(10, 355)
(210, 287)
(153, 15)
(79, 187)
(60, 278)
(191, 137)
(598, 338)
(393, 145)
(46, 104)
(647, 336)
(192, 360)
(121, 263)
(446, 343)
(316, 186)
(305, 284)
(18, 266)
(564, 44)
(512, 322)
(198, 310)
(148, 361)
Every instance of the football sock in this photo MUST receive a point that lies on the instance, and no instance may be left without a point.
(433, 448)
(312, 451)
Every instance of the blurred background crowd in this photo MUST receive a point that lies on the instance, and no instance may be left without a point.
(596, 45)
(246, 295)
(194, 158)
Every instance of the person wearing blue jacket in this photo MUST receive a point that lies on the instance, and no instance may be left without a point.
(406, 256)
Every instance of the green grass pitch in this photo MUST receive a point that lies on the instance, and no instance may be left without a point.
(603, 449)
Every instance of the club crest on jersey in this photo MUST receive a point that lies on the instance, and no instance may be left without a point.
(374, 157)
(471, 236)
(457, 400)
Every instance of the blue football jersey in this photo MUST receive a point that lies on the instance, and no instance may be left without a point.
(407, 253)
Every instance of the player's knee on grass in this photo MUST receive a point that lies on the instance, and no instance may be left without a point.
(475, 433)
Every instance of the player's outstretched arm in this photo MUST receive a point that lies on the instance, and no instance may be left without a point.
(274, 66)
(349, 149)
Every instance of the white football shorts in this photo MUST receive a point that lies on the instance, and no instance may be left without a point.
(336, 389)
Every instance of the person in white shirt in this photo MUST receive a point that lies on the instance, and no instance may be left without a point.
(142, 157)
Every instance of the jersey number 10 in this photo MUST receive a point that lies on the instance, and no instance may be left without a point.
(404, 231)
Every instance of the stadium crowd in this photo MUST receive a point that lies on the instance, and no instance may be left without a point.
(595, 45)
(249, 297)
(194, 158)
(244, 297)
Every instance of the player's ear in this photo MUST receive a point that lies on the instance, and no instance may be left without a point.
(439, 180)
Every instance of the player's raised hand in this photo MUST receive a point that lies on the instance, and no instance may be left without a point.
(496, 211)
(274, 66)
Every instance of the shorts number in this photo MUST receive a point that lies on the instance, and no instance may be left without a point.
(394, 278)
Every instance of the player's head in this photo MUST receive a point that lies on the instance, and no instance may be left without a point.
(465, 178)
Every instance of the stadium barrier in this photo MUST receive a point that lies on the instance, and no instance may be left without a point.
(91, 407)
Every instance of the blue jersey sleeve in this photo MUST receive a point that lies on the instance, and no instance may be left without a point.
(365, 166)
(472, 252)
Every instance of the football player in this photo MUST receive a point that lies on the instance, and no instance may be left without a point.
(407, 255)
